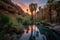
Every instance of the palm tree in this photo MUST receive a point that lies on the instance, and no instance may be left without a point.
(27, 10)
(31, 10)
(39, 8)
(33, 7)
(50, 1)
(55, 5)
(57, 8)
(49, 6)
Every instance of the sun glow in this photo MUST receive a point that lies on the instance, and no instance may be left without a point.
(24, 8)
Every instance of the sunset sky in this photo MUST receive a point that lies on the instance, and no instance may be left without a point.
(24, 4)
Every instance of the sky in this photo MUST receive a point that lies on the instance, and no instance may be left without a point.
(24, 4)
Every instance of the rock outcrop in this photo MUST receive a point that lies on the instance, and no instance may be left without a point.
(8, 6)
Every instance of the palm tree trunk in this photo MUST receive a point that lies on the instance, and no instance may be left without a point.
(35, 17)
(50, 18)
(32, 17)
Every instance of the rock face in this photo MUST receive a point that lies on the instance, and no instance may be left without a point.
(8, 6)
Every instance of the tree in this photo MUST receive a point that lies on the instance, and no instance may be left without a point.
(49, 2)
(55, 5)
(19, 18)
(33, 7)
(27, 10)
(39, 8)
(4, 20)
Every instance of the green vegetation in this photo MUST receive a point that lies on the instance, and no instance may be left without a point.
(9, 25)
(24, 20)
(13, 18)
(4, 20)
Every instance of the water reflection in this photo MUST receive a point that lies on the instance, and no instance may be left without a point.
(29, 29)
(35, 32)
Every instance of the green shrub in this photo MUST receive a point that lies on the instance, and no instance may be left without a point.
(4, 20)
(19, 19)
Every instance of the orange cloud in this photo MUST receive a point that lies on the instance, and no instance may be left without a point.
(24, 8)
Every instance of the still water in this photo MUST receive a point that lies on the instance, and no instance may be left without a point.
(35, 32)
